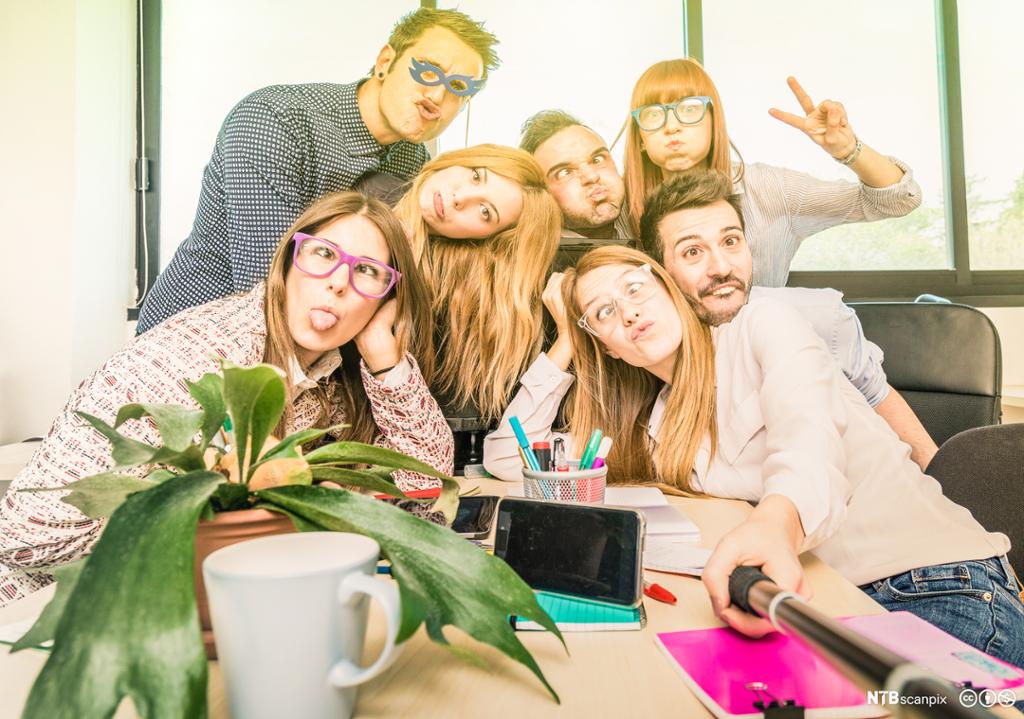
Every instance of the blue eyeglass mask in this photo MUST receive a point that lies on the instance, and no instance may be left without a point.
(428, 74)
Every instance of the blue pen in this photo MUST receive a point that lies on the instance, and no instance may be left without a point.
(531, 458)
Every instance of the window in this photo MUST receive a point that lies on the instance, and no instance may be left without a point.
(880, 63)
(991, 73)
(575, 56)
(214, 54)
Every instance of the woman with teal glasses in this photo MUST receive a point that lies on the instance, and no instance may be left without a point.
(678, 123)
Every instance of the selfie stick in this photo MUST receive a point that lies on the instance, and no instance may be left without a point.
(866, 663)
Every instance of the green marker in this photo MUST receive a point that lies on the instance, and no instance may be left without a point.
(590, 452)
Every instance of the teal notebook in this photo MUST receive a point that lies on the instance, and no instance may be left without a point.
(572, 614)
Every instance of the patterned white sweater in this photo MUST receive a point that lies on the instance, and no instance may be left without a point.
(37, 530)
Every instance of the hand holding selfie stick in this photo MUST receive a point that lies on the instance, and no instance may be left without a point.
(866, 663)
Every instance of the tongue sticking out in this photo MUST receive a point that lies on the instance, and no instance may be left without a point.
(322, 320)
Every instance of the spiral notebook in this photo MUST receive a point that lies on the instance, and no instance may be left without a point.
(580, 615)
(721, 665)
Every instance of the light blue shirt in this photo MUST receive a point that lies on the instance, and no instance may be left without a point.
(835, 322)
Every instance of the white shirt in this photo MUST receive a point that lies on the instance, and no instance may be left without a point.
(790, 424)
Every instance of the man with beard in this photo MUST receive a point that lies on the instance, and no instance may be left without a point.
(694, 227)
(580, 173)
(284, 146)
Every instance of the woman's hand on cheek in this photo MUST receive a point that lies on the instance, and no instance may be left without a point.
(376, 341)
(758, 542)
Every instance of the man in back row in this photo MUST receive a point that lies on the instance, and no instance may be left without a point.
(701, 244)
(580, 173)
(284, 146)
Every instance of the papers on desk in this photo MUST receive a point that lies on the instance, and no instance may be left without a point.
(671, 541)
(662, 518)
(675, 557)
(670, 544)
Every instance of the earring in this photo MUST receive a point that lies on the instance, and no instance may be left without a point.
(380, 75)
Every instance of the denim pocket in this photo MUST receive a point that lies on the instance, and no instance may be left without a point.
(937, 581)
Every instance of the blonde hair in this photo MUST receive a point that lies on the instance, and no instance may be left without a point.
(487, 292)
(665, 82)
(617, 397)
(413, 327)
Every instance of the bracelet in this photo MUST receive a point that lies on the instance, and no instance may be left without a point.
(383, 371)
(852, 157)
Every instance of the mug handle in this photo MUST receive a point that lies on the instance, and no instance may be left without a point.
(347, 673)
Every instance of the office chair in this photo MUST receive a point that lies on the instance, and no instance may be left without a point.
(944, 358)
(983, 469)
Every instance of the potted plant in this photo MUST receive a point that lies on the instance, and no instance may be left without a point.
(124, 620)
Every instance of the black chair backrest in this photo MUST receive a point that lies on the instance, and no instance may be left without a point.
(983, 469)
(944, 359)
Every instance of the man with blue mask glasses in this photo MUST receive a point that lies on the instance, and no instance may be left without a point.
(284, 146)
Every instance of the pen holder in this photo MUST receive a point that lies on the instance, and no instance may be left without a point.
(580, 486)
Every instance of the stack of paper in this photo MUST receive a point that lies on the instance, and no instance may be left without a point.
(572, 614)
(663, 520)
(672, 538)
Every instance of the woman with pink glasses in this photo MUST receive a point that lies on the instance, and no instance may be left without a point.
(343, 313)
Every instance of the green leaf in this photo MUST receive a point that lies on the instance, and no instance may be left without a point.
(46, 625)
(130, 626)
(300, 524)
(99, 495)
(360, 453)
(129, 453)
(177, 425)
(255, 400)
(443, 578)
(160, 475)
(230, 496)
(287, 446)
(208, 391)
(189, 460)
(126, 452)
(358, 478)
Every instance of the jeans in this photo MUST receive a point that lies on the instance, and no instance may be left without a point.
(976, 601)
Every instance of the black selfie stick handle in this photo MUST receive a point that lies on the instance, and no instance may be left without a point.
(863, 661)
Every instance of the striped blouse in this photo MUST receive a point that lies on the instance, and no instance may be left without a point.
(783, 207)
(37, 530)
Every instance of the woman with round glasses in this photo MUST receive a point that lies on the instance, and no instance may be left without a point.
(342, 313)
(485, 230)
(677, 122)
(755, 409)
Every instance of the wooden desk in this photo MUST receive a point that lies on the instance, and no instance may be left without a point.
(611, 674)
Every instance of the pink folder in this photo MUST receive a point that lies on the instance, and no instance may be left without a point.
(718, 664)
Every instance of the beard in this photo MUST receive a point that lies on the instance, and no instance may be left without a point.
(715, 317)
(603, 213)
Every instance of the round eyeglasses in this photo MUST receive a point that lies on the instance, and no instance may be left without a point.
(602, 314)
(318, 257)
(689, 111)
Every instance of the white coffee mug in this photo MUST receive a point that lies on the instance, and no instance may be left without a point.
(289, 618)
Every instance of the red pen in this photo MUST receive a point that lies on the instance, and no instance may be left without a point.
(416, 494)
(656, 591)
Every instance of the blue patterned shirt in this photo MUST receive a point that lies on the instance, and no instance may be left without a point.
(279, 149)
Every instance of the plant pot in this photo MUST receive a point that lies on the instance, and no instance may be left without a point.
(227, 528)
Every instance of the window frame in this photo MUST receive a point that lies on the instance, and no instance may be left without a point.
(982, 288)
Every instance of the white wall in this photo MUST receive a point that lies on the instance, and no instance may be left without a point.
(66, 77)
